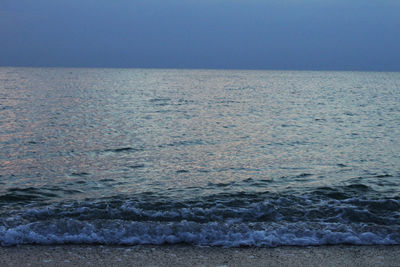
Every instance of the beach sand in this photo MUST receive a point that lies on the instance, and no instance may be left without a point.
(183, 255)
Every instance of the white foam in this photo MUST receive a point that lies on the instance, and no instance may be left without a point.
(283, 221)
(210, 234)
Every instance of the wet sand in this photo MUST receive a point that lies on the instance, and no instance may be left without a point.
(182, 255)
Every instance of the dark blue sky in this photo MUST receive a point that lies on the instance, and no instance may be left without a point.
(246, 34)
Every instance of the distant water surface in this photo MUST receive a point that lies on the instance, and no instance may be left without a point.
(204, 157)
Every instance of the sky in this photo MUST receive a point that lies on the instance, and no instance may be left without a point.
(216, 34)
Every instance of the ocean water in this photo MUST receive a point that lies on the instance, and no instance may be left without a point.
(202, 157)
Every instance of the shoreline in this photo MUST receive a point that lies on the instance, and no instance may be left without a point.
(188, 255)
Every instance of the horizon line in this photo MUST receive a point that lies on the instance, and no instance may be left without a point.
(198, 68)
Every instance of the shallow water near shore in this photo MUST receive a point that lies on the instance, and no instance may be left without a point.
(187, 255)
(203, 157)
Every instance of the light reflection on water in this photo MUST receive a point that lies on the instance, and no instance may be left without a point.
(89, 133)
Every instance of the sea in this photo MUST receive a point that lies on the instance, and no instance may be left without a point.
(226, 158)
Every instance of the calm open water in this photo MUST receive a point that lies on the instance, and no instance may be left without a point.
(205, 157)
